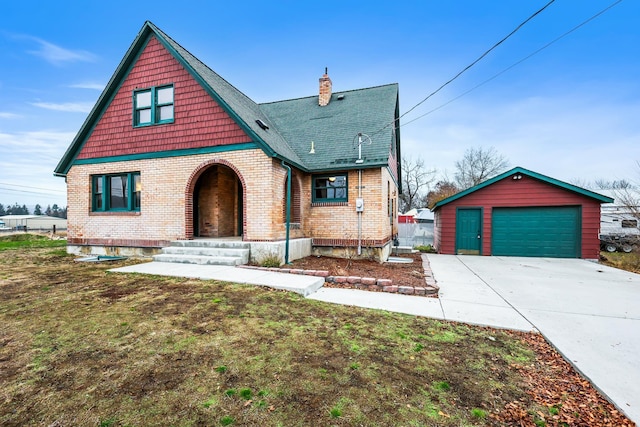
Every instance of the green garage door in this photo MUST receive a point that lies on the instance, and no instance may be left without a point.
(537, 231)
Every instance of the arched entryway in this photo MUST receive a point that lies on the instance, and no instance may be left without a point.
(217, 201)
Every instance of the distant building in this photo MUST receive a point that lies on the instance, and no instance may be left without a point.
(33, 222)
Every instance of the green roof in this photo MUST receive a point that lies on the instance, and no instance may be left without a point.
(292, 124)
(334, 128)
(523, 171)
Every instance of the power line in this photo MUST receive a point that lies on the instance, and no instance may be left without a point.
(35, 188)
(516, 63)
(479, 58)
(26, 192)
(470, 65)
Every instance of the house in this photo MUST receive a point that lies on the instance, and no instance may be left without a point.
(520, 213)
(173, 152)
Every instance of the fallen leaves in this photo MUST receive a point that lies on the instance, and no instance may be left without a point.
(563, 397)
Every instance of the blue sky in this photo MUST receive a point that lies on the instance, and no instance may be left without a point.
(571, 111)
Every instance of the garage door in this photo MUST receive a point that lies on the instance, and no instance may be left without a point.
(537, 231)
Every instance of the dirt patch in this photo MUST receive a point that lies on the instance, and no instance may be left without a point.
(410, 274)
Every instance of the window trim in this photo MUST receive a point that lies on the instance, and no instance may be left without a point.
(315, 199)
(154, 106)
(105, 196)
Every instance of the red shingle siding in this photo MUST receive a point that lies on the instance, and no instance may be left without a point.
(521, 193)
(198, 120)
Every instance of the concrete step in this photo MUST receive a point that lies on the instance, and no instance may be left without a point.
(198, 259)
(237, 244)
(241, 253)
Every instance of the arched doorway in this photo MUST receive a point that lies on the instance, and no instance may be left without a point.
(217, 203)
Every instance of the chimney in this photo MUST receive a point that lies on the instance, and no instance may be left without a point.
(325, 90)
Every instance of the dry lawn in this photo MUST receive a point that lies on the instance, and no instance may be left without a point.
(83, 347)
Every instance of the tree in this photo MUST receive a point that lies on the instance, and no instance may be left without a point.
(2, 211)
(416, 181)
(603, 184)
(477, 165)
(37, 210)
(47, 211)
(441, 191)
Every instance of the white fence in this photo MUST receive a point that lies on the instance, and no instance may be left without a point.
(418, 234)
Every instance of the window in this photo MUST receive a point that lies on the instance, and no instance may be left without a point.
(153, 106)
(629, 223)
(332, 188)
(117, 192)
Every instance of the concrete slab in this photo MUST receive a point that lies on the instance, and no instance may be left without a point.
(503, 317)
(589, 312)
(414, 305)
(304, 285)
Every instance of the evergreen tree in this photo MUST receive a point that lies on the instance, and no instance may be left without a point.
(25, 210)
(48, 210)
(37, 210)
(2, 211)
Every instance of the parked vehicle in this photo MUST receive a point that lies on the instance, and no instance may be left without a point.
(619, 242)
(3, 226)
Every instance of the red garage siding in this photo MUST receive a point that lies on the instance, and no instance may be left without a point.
(507, 192)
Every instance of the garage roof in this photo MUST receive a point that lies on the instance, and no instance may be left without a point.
(522, 171)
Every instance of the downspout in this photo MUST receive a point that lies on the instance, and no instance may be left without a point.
(288, 213)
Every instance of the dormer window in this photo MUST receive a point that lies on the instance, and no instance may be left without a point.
(153, 106)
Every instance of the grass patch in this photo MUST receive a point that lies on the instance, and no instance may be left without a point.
(117, 349)
(624, 261)
(28, 240)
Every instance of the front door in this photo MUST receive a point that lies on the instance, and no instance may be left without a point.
(218, 203)
(468, 231)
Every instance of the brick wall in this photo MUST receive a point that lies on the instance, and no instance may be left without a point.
(167, 203)
(336, 224)
(167, 188)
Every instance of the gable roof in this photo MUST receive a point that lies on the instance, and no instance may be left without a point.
(288, 122)
(523, 171)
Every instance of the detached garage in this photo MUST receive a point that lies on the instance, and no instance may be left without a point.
(520, 213)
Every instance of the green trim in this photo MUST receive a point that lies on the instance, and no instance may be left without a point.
(153, 106)
(105, 195)
(315, 199)
(168, 153)
(219, 100)
(111, 89)
(535, 175)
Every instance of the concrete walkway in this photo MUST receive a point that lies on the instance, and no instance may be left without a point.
(304, 285)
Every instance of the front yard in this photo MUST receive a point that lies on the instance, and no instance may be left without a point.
(81, 346)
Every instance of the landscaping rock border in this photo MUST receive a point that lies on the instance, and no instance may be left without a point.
(430, 289)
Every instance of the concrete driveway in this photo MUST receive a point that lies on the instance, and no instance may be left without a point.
(589, 312)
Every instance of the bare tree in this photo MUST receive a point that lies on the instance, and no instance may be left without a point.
(441, 190)
(478, 165)
(416, 181)
(603, 184)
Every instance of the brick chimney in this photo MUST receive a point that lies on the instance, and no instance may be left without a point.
(325, 90)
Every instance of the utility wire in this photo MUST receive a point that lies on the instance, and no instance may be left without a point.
(515, 64)
(35, 188)
(468, 66)
(25, 191)
(479, 58)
